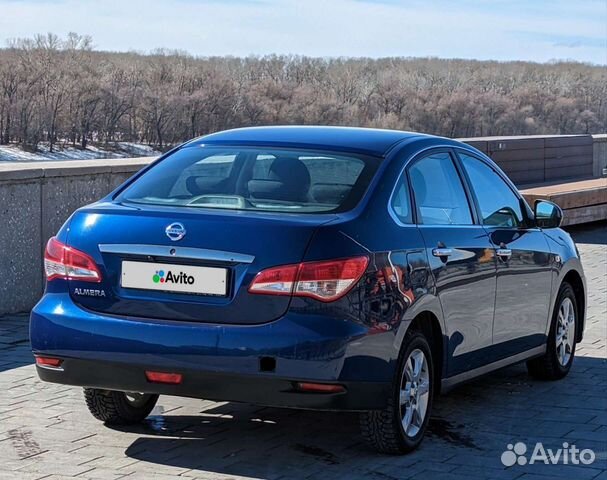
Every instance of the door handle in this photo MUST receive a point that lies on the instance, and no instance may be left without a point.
(504, 253)
(442, 252)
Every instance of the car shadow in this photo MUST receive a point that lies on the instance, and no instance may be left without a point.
(591, 233)
(475, 421)
(15, 351)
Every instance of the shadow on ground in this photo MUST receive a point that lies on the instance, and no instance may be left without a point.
(591, 233)
(236, 439)
(15, 349)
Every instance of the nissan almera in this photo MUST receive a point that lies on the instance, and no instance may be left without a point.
(308, 267)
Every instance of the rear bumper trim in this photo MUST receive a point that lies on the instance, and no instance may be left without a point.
(262, 389)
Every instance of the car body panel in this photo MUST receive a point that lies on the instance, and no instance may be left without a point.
(370, 141)
(566, 262)
(470, 268)
(268, 238)
(521, 325)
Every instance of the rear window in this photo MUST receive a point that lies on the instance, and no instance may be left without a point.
(246, 178)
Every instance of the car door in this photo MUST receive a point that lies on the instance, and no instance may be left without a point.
(460, 257)
(524, 281)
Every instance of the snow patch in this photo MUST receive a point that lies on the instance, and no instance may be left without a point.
(13, 153)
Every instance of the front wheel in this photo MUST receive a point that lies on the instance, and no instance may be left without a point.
(119, 408)
(560, 350)
(400, 427)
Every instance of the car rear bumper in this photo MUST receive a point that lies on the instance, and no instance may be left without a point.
(256, 389)
(217, 362)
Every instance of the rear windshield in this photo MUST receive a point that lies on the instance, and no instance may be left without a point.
(246, 178)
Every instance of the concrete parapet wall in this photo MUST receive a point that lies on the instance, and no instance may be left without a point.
(35, 200)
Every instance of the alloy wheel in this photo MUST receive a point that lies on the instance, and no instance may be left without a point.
(414, 392)
(565, 331)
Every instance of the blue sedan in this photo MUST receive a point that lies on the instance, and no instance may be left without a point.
(308, 267)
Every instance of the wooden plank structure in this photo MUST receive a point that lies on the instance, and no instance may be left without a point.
(583, 201)
(558, 168)
(533, 159)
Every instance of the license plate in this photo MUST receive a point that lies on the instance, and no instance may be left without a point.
(174, 278)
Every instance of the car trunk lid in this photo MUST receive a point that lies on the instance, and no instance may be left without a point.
(132, 244)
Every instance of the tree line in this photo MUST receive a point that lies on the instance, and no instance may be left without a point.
(62, 91)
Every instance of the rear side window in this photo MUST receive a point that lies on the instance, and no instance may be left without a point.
(400, 203)
(248, 178)
(499, 205)
(440, 197)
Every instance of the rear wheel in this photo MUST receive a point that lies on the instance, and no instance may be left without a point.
(560, 350)
(400, 427)
(119, 408)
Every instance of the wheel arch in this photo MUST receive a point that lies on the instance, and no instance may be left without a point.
(429, 325)
(573, 278)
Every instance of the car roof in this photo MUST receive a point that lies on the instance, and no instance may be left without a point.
(370, 141)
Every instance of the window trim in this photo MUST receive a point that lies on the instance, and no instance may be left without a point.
(526, 225)
(402, 178)
(455, 160)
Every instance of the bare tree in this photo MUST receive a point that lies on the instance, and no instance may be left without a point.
(62, 90)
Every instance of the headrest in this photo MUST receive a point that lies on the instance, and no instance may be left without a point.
(331, 193)
(288, 179)
(268, 189)
(290, 170)
(202, 185)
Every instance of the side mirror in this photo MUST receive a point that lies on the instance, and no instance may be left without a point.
(547, 214)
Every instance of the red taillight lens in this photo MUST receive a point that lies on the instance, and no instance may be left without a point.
(49, 362)
(325, 281)
(328, 281)
(62, 261)
(275, 281)
(162, 377)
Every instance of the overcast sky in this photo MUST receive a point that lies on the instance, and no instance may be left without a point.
(538, 30)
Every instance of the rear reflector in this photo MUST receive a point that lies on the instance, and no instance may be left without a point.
(162, 377)
(319, 387)
(49, 362)
(327, 280)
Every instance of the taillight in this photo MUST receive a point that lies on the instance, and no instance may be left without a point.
(325, 280)
(275, 281)
(62, 261)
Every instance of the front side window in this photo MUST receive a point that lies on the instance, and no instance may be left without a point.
(499, 205)
(438, 190)
(248, 178)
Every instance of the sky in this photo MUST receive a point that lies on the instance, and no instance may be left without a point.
(535, 30)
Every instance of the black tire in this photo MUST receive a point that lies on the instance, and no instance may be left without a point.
(115, 408)
(548, 366)
(383, 429)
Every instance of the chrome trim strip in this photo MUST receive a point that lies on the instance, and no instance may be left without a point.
(176, 252)
(448, 383)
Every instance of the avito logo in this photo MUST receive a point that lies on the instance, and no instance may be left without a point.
(569, 454)
(170, 277)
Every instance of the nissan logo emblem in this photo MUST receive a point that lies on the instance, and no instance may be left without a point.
(175, 231)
